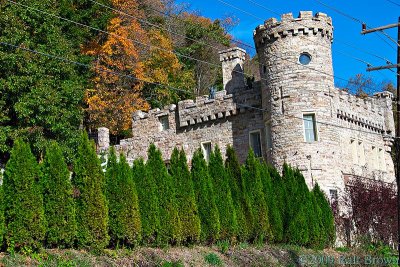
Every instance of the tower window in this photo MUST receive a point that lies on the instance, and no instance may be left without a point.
(255, 143)
(310, 128)
(305, 58)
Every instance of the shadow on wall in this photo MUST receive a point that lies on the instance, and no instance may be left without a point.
(237, 82)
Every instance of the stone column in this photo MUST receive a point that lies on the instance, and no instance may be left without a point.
(232, 68)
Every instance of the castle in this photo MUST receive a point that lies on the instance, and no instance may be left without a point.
(294, 114)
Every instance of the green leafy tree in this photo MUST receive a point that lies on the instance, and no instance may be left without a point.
(170, 226)
(91, 206)
(274, 214)
(23, 201)
(185, 197)
(123, 204)
(148, 202)
(327, 218)
(251, 174)
(223, 196)
(239, 196)
(59, 206)
(205, 198)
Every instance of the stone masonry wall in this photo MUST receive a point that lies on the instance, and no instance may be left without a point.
(222, 121)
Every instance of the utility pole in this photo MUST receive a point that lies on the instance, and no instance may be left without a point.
(397, 139)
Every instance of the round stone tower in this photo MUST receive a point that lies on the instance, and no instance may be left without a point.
(297, 78)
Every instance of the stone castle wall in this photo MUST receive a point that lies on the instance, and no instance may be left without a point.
(225, 120)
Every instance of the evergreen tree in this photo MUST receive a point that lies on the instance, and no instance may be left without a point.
(148, 203)
(170, 226)
(239, 196)
(280, 195)
(274, 215)
(2, 226)
(23, 201)
(91, 206)
(298, 231)
(223, 197)
(316, 231)
(205, 198)
(185, 197)
(59, 206)
(327, 218)
(254, 187)
(123, 207)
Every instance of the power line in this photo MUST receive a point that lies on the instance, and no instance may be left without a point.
(354, 19)
(159, 84)
(393, 2)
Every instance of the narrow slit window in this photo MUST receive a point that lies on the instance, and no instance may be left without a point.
(255, 143)
(164, 123)
(206, 147)
(310, 128)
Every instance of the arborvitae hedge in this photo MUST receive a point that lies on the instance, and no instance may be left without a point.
(205, 198)
(123, 207)
(23, 201)
(327, 218)
(274, 214)
(254, 187)
(170, 226)
(315, 226)
(91, 206)
(148, 202)
(239, 196)
(59, 206)
(223, 197)
(185, 198)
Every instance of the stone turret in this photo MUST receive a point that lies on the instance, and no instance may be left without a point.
(232, 69)
(296, 67)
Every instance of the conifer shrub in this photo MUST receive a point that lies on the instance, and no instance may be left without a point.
(123, 207)
(223, 197)
(298, 221)
(274, 214)
(91, 207)
(327, 218)
(251, 174)
(2, 226)
(317, 234)
(170, 226)
(59, 206)
(148, 203)
(23, 201)
(205, 198)
(185, 198)
(239, 196)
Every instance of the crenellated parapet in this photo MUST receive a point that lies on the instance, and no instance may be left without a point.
(304, 24)
(371, 113)
(203, 109)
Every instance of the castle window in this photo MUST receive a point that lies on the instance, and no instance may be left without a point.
(206, 147)
(382, 159)
(304, 58)
(374, 158)
(310, 128)
(268, 135)
(361, 153)
(333, 196)
(255, 143)
(353, 146)
(164, 122)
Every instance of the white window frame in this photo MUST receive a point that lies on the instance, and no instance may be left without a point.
(261, 147)
(160, 121)
(205, 155)
(315, 125)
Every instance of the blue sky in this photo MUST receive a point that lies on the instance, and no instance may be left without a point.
(346, 34)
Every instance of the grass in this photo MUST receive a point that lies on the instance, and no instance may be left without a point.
(213, 259)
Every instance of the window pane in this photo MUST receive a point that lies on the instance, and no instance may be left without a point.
(255, 143)
(206, 150)
(164, 123)
(309, 128)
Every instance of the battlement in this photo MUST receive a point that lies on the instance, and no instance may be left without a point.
(232, 53)
(305, 24)
(203, 109)
(370, 113)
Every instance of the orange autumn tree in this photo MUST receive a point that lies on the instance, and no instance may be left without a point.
(163, 67)
(118, 71)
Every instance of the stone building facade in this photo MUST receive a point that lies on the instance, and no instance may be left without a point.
(294, 114)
